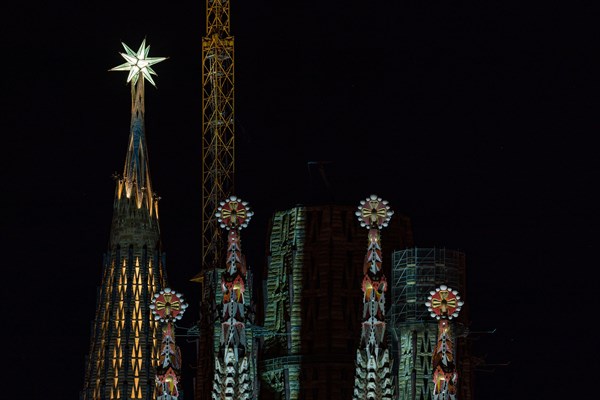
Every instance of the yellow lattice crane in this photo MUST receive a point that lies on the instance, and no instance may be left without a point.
(217, 125)
(217, 174)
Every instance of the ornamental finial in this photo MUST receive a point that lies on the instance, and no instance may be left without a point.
(168, 306)
(138, 63)
(444, 302)
(233, 213)
(374, 213)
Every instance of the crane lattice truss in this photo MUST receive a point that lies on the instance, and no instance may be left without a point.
(217, 125)
(217, 175)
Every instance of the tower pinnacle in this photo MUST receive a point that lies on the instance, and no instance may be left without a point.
(135, 183)
(138, 63)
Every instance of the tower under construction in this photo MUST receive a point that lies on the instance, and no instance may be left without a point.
(416, 272)
(311, 296)
(125, 338)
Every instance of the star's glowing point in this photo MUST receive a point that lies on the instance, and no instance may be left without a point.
(138, 62)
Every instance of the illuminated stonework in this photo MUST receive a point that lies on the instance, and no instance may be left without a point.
(124, 346)
(232, 378)
(373, 363)
(167, 307)
(444, 304)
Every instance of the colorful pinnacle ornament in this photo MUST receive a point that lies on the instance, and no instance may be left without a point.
(168, 306)
(374, 213)
(443, 302)
(234, 213)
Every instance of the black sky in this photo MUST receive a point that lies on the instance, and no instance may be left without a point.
(476, 119)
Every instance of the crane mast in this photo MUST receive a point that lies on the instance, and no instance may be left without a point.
(217, 177)
(217, 126)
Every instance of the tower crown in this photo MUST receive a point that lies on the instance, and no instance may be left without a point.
(135, 183)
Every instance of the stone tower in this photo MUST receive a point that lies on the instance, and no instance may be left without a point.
(125, 338)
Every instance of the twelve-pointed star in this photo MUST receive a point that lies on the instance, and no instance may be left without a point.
(138, 62)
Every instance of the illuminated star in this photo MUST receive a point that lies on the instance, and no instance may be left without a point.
(138, 63)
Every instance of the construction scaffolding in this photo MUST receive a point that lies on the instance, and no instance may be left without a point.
(416, 272)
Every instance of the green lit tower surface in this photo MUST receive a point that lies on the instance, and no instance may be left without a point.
(311, 294)
(125, 338)
(416, 272)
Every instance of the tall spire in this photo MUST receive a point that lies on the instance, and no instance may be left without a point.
(232, 376)
(444, 304)
(168, 306)
(373, 372)
(135, 182)
(125, 340)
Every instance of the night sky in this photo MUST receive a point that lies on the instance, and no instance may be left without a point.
(477, 119)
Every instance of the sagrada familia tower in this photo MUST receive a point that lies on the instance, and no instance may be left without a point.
(125, 339)
(322, 320)
(373, 379)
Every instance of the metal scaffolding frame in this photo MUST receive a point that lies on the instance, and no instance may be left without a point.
(417, 271)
